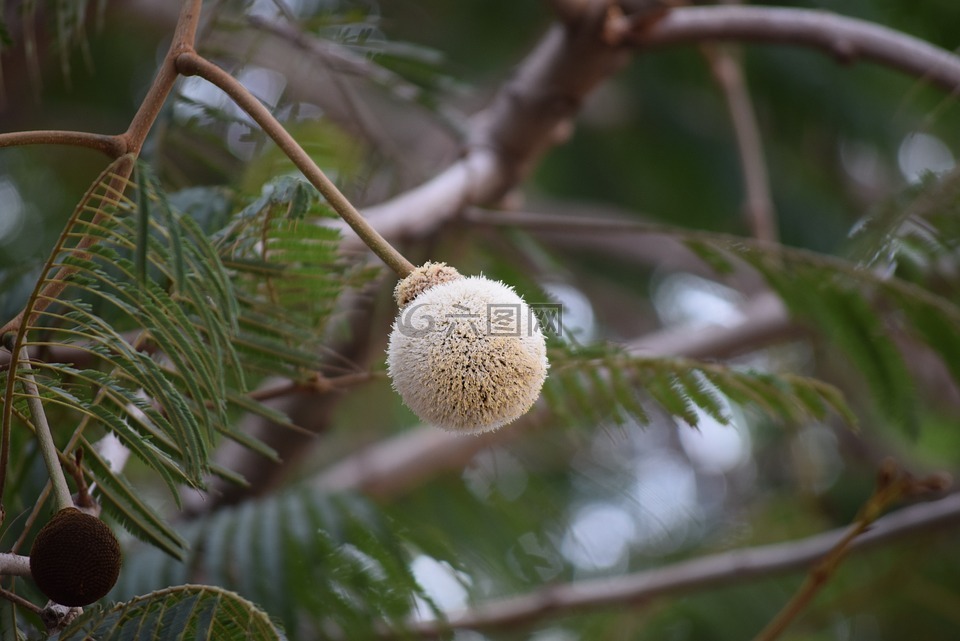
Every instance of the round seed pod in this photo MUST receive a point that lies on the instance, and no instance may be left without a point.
(75, 559)
(467, 355)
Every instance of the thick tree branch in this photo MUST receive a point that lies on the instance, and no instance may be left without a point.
(530, 114)
(708, 572)
(846, 39)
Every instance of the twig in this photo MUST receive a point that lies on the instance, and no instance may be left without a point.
(48, 449)
(707, 572)
(112, 146)
(847, 39)
(892, 485)
(19, 600)
(758, 205)
(130, 142)
(320, 384)
(191, 64)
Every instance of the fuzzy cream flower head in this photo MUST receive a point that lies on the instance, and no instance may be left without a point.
(467, 355)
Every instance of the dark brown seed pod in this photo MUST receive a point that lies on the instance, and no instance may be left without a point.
(75, 558)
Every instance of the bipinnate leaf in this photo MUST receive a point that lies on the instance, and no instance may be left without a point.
(591, 387)
(139, 295)
(181, 613)
(288, 275)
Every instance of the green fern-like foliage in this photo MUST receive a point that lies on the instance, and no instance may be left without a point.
(344, 566)
(130, 280)
(897, 284)
(283, 257)
(164, 327)
(69, 21)
(862, 307)
(176, 614)
(609, 384)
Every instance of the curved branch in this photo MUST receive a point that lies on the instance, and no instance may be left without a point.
(191, 64)
(846, 39)
(113, 146)
(701, 573)
(529, 113)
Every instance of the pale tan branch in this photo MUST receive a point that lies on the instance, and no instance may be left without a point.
(703, 573)
(533, 110)
(846, 39)
(531, 113)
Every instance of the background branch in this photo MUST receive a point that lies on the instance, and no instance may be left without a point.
(707, 572)
(846, 39)
(758, 203)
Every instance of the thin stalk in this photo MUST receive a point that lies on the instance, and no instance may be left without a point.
(19, 600)
(48, 449)
(192, 64)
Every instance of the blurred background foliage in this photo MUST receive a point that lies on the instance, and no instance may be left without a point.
(560, 502)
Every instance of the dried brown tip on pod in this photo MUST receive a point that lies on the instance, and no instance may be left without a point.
(467, 355)
(423, 278)
(75, 559)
